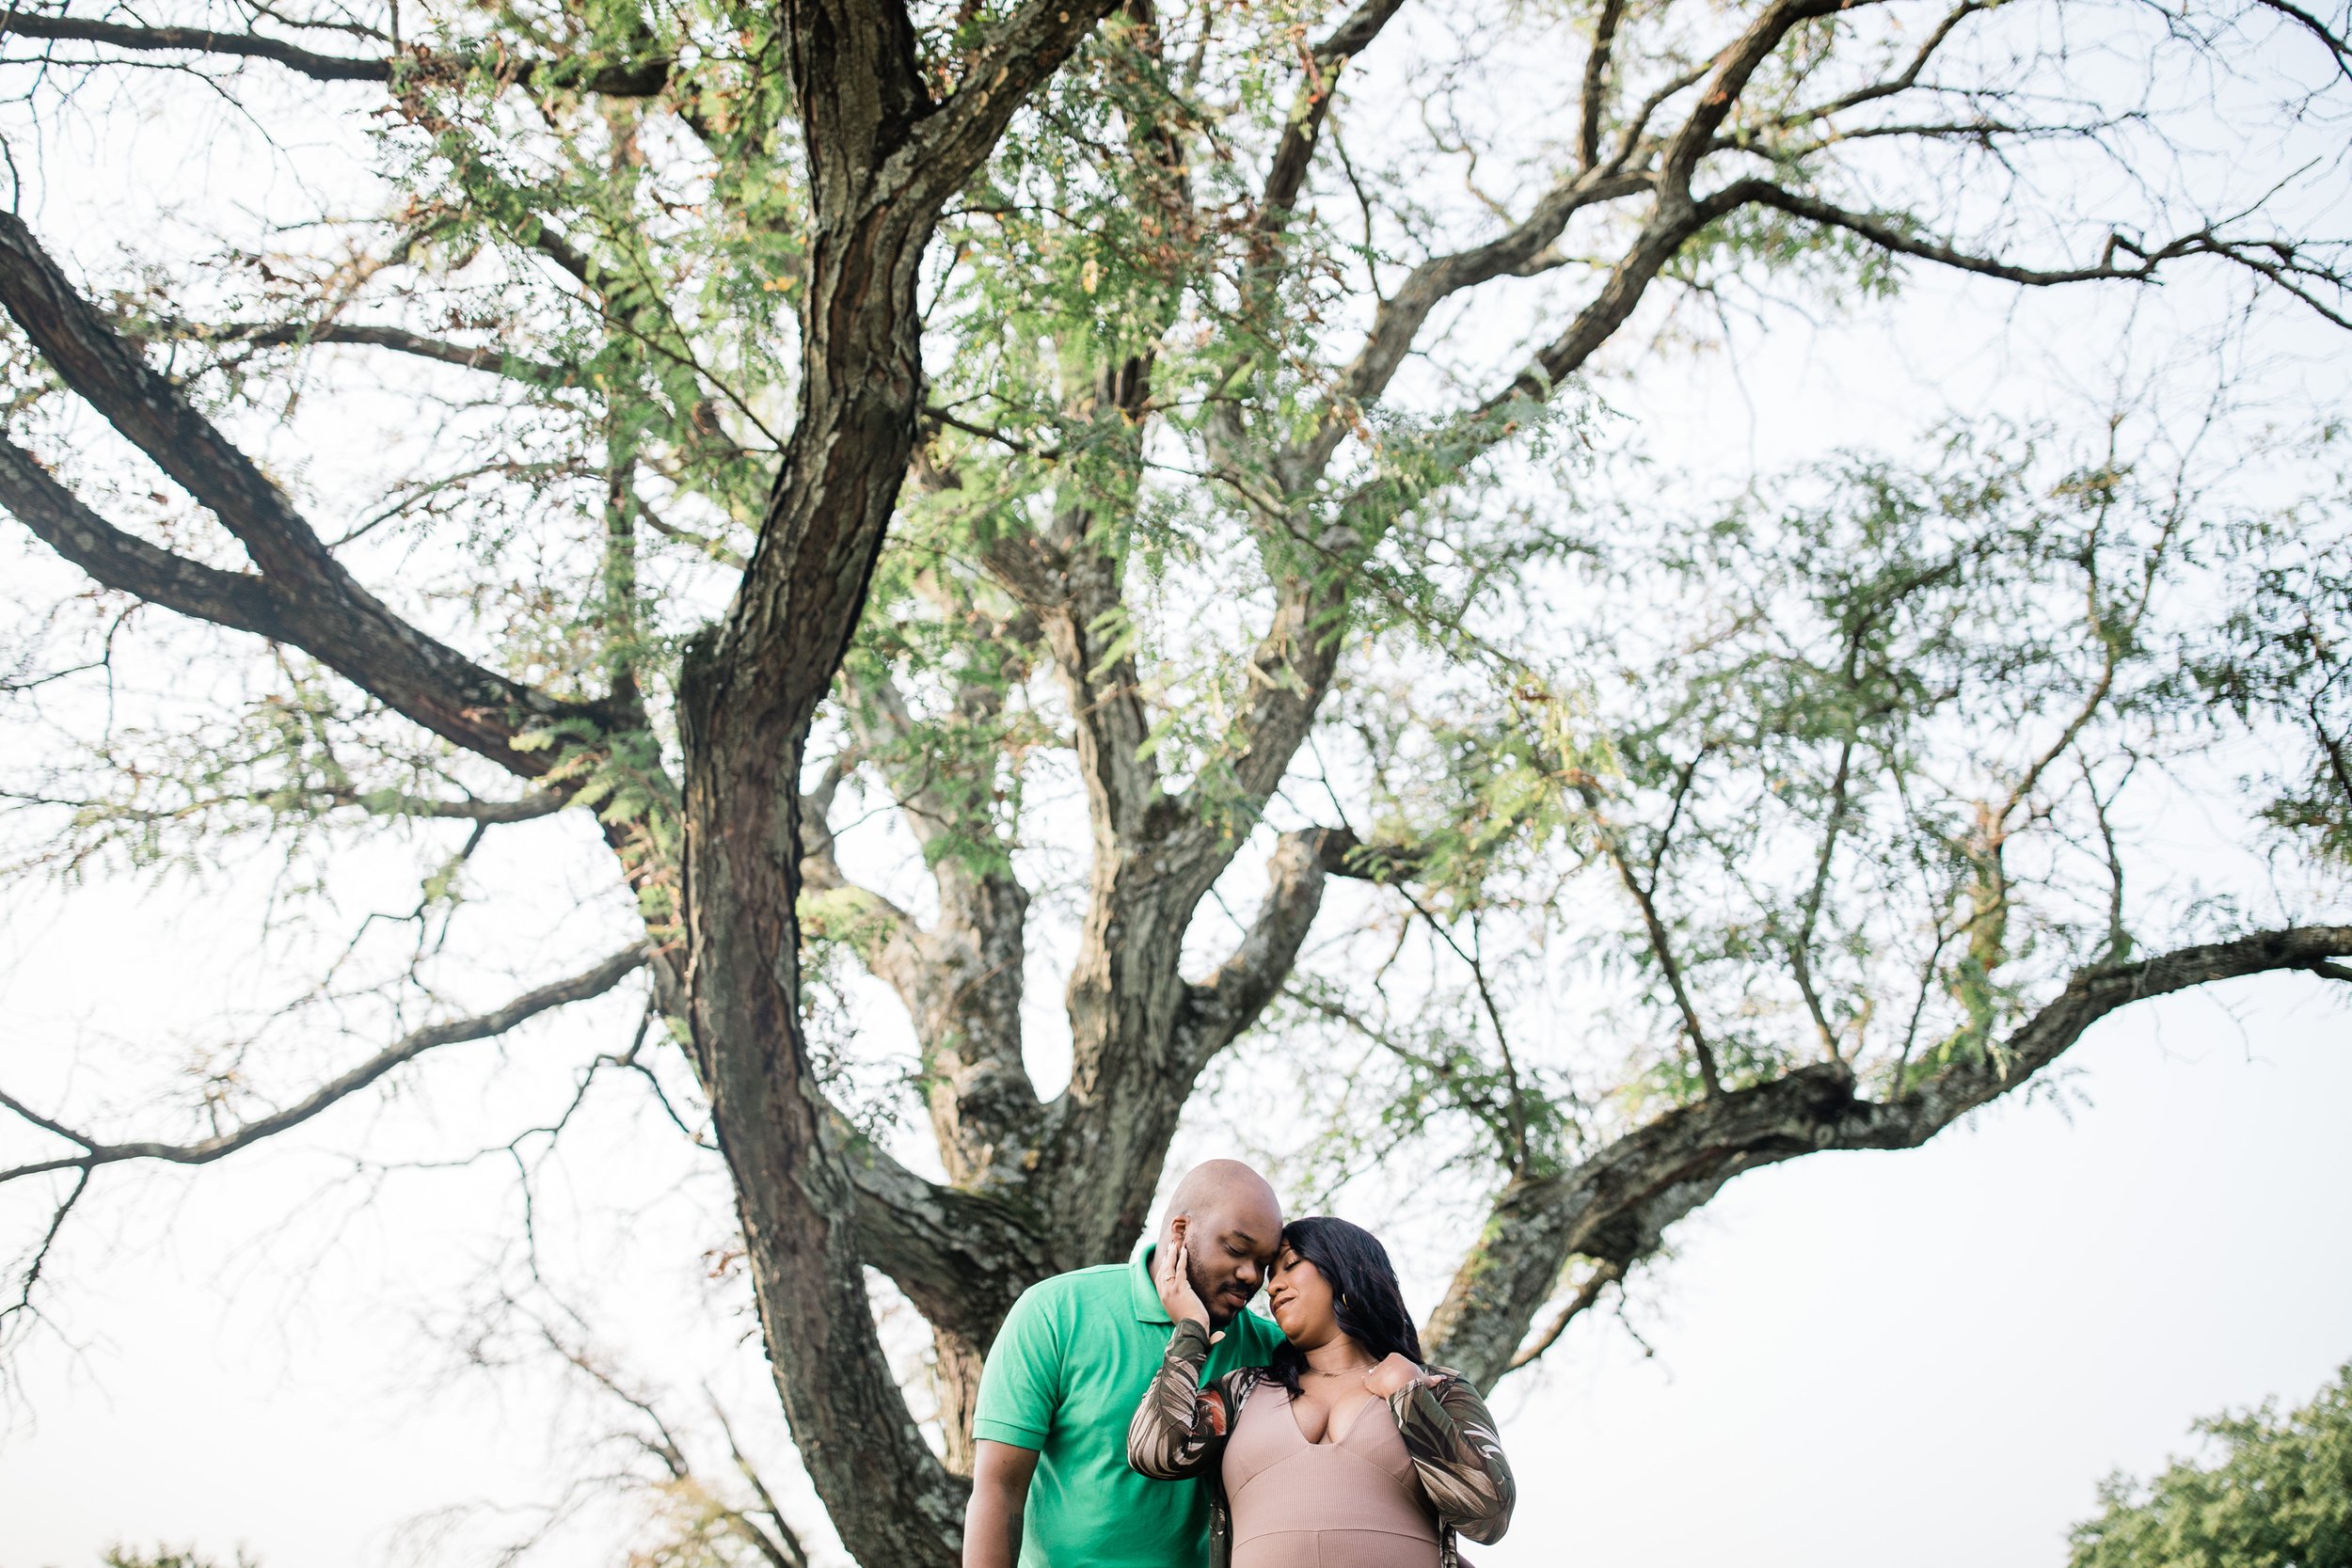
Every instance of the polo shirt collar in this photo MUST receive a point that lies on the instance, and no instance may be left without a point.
(1146, 1292)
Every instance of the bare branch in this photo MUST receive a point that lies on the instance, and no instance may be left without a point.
(1608, 1273)
(1674, 220)
(1596, 81)
(37, 1263)
(1219, 1009)
(318, 605)
(2120, 258)
(618, 79)
(399, 341)
(579, 988)
(1904, 81)
(2336, 43)
(784, 1548)
(237, 600)
(1660, 941)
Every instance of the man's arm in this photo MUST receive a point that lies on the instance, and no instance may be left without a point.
(1000, 1489)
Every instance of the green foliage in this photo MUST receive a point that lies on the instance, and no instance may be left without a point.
(2280, 662)
(2277, 1493)
(1833, 771)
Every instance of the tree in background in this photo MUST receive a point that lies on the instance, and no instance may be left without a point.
(1119, 461)
(2279, 1492)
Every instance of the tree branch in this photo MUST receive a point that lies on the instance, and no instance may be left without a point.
(2337, 44)
(1904, 81)
(617, 79)
(240, 601)
(2120, 258)
(314, 602)
(960, 1257)
(1731, 69)
(1399, 319)
(1217, 1010)
(1021, 51)
(1660, 940)
(1075, 590)
(398, 339)
(961, 980)
(1575, 1306)
(580, 988)
(387, 802)
(1616, 1205)
(1294, 155)
(1589, 102)
(1397, 322)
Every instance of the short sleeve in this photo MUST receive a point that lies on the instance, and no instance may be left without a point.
(1021, 1383)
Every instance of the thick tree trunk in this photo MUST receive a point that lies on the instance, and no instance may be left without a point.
(882, 161)
(747, 695)
(796, 1199)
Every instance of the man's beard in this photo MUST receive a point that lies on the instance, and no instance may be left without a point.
(1222, 1309)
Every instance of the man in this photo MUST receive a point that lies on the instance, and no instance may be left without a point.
(1050, 1483)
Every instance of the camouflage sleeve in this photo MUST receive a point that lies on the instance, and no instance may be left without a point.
(1456, 1451)
(1178, 1428)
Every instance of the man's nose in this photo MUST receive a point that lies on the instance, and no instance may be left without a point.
(1252, 1271)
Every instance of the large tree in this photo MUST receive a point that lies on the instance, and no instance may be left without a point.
(969, 411)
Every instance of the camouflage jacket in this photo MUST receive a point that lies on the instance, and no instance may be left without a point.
(1180, 1427)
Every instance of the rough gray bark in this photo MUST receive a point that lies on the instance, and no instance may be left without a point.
(883, 161)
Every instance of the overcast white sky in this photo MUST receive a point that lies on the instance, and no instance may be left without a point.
(1936, 1352)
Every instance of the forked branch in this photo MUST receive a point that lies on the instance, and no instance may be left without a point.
(614, 78)
(1216, 1012)
(95, 1152)
(2282, 263)
(304, 595)
(1617, 1205)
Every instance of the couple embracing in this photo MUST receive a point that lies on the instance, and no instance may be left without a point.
(1140, 1415)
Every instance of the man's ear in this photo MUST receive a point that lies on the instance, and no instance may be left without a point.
(1176, 1230)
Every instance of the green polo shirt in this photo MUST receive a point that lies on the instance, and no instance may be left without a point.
(1064, 1378)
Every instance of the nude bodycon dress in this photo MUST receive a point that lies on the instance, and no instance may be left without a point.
(1350, 1504)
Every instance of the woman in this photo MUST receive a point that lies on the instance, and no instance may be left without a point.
(1344, 1451)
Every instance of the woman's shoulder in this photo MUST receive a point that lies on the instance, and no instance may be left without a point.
(1237, 1386)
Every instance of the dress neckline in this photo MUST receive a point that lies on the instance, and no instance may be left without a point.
(1363, 1413)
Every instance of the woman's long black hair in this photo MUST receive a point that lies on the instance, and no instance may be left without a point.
(1364, 1292)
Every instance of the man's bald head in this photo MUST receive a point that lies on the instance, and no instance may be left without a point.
(1227, 1218)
